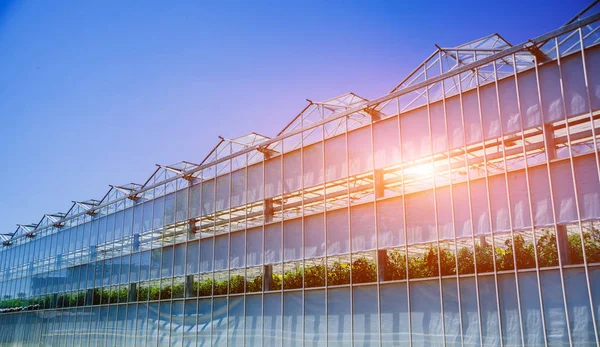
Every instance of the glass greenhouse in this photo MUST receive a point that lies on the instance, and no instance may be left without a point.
(460, 208)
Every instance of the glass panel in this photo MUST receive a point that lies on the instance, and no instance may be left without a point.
(170, 208)
(238, 250)
(181, 205)
(206, 254)
(195, 195)
(292, 169)
(574, 85)
(337, 232)
(365, 316)
(193, 257)
(335, 158)
(238, 188)
(489, 311)
(292, 319)
(426, 320)
(313, 164)
(420, 218)
(222, 200)
(540, 196)
(292, 239)
(253, 321)
(554, 309)
(531, 311)
(593, 74)
(179, 260)
(360, 151)
(454, 119)
(236, 321)
(552, 102)
(205, 322)
(315, 319)
(470, 316)
(564, 196)
(273, 177)
(272, 331)
(387, 145)
(499, 201)
(219, 322)
(588, 186)
(509, 310)
(390, 222)
(314, 236)
(451, 313)
(519, 199)
(528, 97)
(511, 117)
(362, 226)
(255, 246)
(255, 182)
(339, 319)
(221, 252)
(578, 303)
(489, 111)
(415, 134)
(208, 197)
(273, 243)
(479, 205)
(471, 116)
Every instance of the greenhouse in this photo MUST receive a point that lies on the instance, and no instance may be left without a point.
(462, 208)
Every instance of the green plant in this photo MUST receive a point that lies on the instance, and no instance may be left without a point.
(546, 249)
(314, 276)
(221, 287)
(254, 284)
(364, 271)
(395, 266)
(236, 284)
(178, 290)
(338, 273)
(292, 279)
(276, 281)
(205, 287)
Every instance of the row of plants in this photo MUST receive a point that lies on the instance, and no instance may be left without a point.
(395, 265)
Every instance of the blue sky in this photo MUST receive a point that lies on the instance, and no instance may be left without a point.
(94, 93)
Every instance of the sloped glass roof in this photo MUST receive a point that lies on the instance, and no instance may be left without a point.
(362, 111)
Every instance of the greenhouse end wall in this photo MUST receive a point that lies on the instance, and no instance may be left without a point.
(468, 216)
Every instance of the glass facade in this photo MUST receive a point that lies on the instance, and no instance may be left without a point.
(461, 209)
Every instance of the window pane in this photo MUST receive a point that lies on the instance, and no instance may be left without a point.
(253, 320)
(314, 236)
(415, 134)
(272, 177)
(255, 246)
(292, 319)
(362, 226)
(313, 165)
(272, 320)
(335, 158)
(292, 169)
(366, 315)
(386, 141)
(273, 243)
(238, 249)
(360, 151)
(420, 219)
(238, 188)
(339, 319)
(394, 314)
(337, 232)
(221, 252)
(292, 239)
(425, 313)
